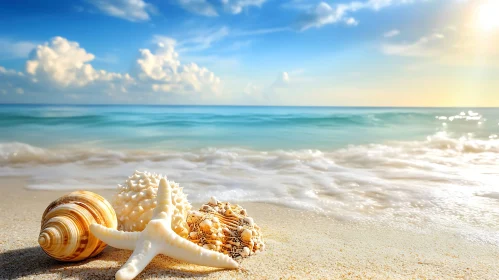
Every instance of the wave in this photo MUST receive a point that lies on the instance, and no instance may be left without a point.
(441, 181)
(440, 145)
(10, 119)
(131, 119)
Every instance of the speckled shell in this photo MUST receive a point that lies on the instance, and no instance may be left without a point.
(136, 198)
(65, 233)
(226, 228)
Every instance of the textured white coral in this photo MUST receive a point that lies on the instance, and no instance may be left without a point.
(136, 199)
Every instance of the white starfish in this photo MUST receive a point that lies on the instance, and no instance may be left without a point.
(158, 238)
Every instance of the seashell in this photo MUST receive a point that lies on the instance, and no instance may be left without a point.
(226, 228)
(65, 233)
(136, 199)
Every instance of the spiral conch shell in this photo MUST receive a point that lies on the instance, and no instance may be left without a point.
(226, 228)
(136, 199)
(65, 233)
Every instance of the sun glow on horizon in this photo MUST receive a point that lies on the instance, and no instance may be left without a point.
(487, 16)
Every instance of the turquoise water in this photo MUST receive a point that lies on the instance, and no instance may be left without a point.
(414, 168)
(262, 128)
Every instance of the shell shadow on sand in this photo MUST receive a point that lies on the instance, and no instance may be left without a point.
(31, 261)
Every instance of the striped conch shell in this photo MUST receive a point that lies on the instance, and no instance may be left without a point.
(65, 233)
(225, 228)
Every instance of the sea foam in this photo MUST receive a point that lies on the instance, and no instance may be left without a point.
(442, 181)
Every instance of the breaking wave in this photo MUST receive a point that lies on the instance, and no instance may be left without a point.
(440, 181)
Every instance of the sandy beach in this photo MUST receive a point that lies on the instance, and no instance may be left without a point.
(300, 245)
(359, 137)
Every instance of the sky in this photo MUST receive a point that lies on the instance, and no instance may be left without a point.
(251, 52)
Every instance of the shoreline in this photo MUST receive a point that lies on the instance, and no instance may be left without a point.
(299, 245)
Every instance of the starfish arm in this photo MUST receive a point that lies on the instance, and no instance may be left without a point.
(140, 258)
(182, 249)
(164, 200)
(115, 238)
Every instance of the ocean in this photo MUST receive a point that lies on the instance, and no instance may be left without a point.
(420, 169)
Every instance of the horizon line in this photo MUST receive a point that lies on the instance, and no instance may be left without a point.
(236, 105)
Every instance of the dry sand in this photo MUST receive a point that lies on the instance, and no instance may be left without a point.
(300, 245)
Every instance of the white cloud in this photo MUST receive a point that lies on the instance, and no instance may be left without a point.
(380, 4)
(164, 40)
(11, 81)
(282, 80)
(205, 8)
(351, 21)
(131, 10)
(260, 31)
(438, 36)
(320, 15)
(63, 63)
(62, 68)
(10, 72)
(423, 47)
(445, 46)
(200, 7)
(199, 79)
(12, 49)
(323, 14)
(202, 40)
(206, 38)
(391, 33)
(160, 66)
(163, 71)
(237, 6)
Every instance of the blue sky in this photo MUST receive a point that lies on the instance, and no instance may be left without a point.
(250, 52)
